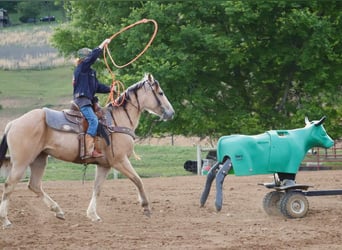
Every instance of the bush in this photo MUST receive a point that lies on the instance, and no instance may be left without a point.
(28, 11)
(26, 19)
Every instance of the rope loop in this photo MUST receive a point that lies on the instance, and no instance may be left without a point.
(118, 87)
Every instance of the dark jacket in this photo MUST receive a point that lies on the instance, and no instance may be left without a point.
(85, 81)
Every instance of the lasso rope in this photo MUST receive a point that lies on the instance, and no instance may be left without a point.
(117, 86)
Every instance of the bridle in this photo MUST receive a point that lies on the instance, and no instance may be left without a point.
(127, 99)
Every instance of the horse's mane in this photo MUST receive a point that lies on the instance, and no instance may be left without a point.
(124, 98)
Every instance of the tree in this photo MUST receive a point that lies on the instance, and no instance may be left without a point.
(227, 66)
(9, 6)
(28, 10)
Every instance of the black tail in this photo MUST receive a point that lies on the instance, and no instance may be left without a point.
(3, 149)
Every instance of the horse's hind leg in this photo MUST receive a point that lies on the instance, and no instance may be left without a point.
(16, 173)
(101, 174)
(35, 184)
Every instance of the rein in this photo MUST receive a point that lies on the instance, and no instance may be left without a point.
(117, 86)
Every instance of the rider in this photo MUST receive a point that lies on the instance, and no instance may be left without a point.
(86, 85)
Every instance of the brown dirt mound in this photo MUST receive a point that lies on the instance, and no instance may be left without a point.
(177, 221)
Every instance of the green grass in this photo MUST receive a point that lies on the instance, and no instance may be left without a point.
(25, 90)
(156, 161)
(162, 160)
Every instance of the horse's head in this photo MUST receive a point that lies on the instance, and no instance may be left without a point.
(150, 97)
(153, 99)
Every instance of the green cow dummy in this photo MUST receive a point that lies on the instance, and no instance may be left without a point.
(273, 152)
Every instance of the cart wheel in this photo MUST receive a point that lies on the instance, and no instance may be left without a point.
(271, 203)
(294, 205)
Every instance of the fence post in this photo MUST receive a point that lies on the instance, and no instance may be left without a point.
(199, 157)
(199, 160)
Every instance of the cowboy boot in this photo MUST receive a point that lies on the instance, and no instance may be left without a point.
(90, 145)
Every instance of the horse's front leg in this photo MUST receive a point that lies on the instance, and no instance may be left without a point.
(125, 167)
(101, 175)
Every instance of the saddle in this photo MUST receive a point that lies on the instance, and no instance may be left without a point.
(72, 121)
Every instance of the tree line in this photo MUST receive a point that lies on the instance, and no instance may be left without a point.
(30, 11)
(227, 66)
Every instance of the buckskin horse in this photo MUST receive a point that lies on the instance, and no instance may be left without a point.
(30, 140)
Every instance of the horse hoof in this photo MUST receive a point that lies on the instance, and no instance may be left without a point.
(94, 218)
(97, 219)
(60, 216)
(147, 213)
(7, 225)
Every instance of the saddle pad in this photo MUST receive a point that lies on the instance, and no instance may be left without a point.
(56, 120)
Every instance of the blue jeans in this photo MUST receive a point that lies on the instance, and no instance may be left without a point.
(89, 114)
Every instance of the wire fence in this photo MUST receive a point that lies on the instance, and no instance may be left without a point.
(321, 159)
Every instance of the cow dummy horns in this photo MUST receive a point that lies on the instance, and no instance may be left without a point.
(318, 123)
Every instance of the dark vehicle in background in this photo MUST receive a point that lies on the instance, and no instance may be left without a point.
(30, 20)
(25, 19)
(47, 19)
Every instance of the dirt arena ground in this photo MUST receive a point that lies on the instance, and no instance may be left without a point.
(177, 221)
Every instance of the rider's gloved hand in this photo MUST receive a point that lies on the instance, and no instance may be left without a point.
(104, 43)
